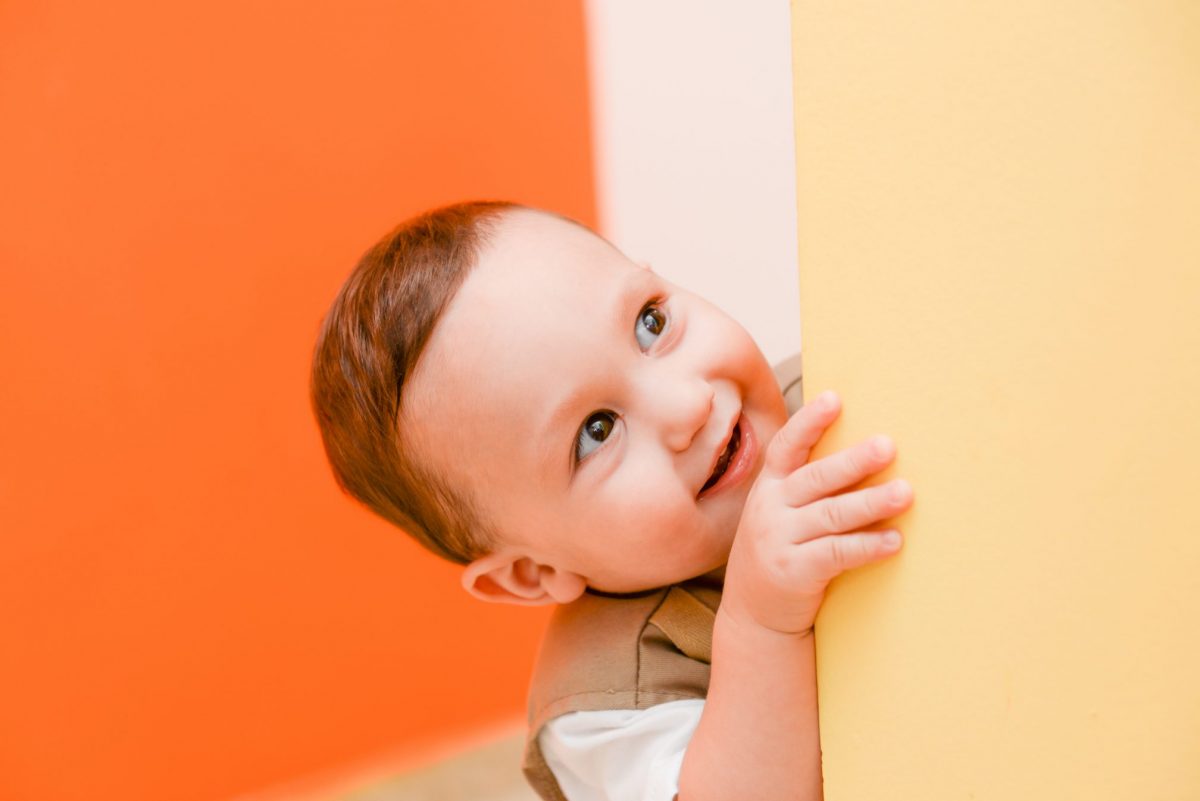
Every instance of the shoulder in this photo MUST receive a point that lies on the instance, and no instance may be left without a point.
(590, 654)
(625, 652)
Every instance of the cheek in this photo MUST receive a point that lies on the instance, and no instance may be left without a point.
(650, 509)
(770, 399)
(648, 480)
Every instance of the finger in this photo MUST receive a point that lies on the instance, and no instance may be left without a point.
(853, 510)
(791, 445)
(839, 470)
(829, 557)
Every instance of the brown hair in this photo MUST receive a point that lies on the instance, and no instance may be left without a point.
(369, 343)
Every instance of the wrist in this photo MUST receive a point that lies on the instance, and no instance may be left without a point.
(732, 623)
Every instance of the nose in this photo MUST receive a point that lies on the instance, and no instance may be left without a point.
(682, 407)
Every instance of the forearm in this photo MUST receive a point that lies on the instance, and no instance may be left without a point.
(758, 737)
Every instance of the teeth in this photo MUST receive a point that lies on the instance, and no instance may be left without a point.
(723, 460)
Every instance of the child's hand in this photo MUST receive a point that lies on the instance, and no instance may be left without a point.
(796, 535)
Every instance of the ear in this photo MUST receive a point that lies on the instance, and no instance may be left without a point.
(512, 578)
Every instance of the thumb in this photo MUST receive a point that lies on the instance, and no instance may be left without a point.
(789, 449)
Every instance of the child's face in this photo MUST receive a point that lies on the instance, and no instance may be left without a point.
(585, 401)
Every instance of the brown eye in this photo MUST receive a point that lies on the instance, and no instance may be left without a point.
(594, 431)
(651, 323)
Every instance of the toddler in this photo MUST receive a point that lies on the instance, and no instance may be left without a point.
(509, 389)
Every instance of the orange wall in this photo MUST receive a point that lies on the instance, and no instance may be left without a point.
(190, 608)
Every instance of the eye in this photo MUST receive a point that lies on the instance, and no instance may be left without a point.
(593, 432)
(651, 322)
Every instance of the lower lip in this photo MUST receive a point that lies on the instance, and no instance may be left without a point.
(739, 464)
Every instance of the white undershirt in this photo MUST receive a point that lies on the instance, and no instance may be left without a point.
(620, 754)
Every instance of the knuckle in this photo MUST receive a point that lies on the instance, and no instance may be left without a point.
(852, 464)
(837, 556)
(873, 504)
(865, 548)
(795, 424)
(818, 475)
(779, 441)
(780, 445)
(830, 516)
(782, 564)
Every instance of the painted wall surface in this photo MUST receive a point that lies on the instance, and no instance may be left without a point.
(191, 609)
(692, 125)
(1000, 266)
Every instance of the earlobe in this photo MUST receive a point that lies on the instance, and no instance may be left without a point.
(515, 579)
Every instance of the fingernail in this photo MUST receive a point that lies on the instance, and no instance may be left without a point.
(900, 490)
(891, 539)
(882, 445)
(827, 399)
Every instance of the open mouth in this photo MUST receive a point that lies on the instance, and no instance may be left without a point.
(725, 457)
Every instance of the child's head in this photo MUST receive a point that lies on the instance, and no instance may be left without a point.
(523, 399)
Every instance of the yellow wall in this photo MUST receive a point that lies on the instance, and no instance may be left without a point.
(999, 213)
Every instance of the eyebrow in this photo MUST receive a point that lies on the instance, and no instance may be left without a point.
(628, 300)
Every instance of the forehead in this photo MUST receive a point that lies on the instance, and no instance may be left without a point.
(533, 317)
(530, 256)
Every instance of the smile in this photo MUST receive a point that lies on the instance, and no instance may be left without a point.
(734, 461)
(723, 459)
